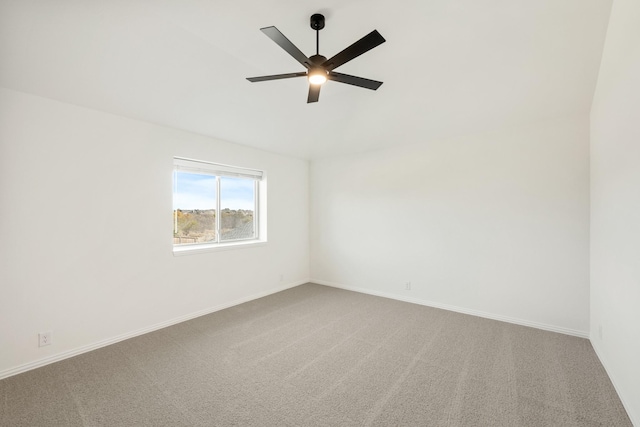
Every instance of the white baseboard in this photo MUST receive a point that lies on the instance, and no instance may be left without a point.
(635, 420)
(543, 326)
(86, 348)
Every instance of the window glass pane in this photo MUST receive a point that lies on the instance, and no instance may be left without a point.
(194, 208)
(237, 206)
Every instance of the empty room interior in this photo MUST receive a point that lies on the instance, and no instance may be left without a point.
(326, 213)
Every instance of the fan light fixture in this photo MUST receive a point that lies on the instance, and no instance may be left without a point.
(317, 76)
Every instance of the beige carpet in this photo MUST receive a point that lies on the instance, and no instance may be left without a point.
(318, 356)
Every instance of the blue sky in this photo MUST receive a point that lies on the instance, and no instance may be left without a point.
(195, 191)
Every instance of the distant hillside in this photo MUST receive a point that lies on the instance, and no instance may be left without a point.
(196, 226)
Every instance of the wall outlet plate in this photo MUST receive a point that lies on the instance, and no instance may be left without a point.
(44, 338)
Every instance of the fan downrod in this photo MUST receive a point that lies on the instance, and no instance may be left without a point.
(317, 21)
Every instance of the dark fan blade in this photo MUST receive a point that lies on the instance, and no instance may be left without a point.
(314, 93)
(276, 77)
(363, 45)
(274, 34)
(353, 80)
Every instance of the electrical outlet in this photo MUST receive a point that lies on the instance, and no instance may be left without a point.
(407, 286)
(44, 338)
(282, 277)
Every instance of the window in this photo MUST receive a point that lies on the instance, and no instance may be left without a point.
(214, 205)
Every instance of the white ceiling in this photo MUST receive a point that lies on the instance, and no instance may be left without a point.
(448, 67)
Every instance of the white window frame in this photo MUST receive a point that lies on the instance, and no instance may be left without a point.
(220, 171)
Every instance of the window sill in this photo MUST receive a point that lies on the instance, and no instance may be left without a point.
(203, 248)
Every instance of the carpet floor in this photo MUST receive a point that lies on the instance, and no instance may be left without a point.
(319, 356)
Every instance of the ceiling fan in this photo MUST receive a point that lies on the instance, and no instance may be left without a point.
(319, 68)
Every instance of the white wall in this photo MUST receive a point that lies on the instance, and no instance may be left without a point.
(494, 224)
(85, 236)
(615, 206)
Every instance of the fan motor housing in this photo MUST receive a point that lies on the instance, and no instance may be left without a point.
(318, 59)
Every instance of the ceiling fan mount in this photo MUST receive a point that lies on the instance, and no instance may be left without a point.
(319, 68)
(317, 21)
